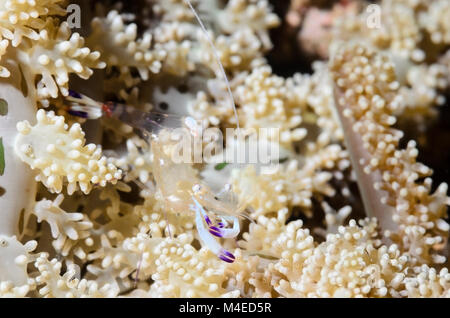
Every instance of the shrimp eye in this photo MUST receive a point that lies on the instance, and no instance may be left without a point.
(197, 188)
(3, 243)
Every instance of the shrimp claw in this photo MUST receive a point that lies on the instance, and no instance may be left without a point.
(205, 236)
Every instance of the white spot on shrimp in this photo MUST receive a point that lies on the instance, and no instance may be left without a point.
(196, 188)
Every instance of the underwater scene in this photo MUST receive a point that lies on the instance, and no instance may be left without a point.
(224, 148)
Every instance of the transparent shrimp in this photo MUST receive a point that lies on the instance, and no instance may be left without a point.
(181, 188)
(178, 183)
(183, 191)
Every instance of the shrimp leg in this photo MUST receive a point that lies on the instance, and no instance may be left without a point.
(221, 231)
(206, 238)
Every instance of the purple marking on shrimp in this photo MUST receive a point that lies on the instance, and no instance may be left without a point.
(78, 113)
(223, 258)
(208, 220)
(74, 94)
(226, 256)
(214, 228)
(221, 225)
(215, 231)
(218, 234)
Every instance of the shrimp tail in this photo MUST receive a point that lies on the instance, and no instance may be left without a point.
(87, 112)
(83, 106)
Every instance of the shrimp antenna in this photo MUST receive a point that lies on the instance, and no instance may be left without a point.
(216, 55)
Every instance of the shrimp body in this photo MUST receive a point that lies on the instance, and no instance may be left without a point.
(178, 183)
(183, 191)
